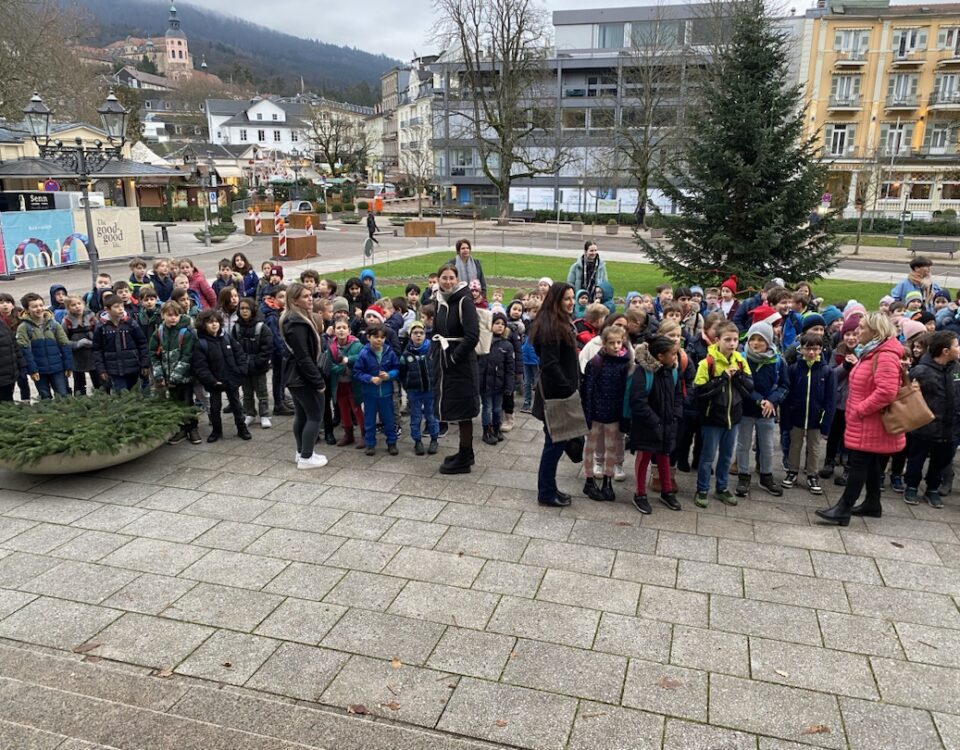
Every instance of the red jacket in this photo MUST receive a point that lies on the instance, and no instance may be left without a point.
(870, 391)
(199, 284)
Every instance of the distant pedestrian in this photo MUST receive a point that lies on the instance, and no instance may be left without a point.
(372, 227)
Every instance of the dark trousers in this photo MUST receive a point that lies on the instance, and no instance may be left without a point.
(864, 470)
(898, 460)
(277, 380)
(6, 392)
(689, 436)
(182, 393)
(549, 460)
(23, 385)
(80, 382)
(307, 418)
(329, 406)
(835, 438)
(940, 455)
(216, 406)
(124, 382)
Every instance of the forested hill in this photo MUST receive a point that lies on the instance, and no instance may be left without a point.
(242, 52)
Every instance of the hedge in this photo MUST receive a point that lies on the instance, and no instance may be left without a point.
(892, 226)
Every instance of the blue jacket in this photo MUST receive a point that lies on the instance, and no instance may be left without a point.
(163, 287)
(792, 328)
(366, 273)
(899, 292)
(769, 382)
(528, 354)
(121, 348)
(271, 316)
(45, 347)
(58, 309)
(250, 283)
(604, 386)
(416, 369)
(368, 367)
(812, 399)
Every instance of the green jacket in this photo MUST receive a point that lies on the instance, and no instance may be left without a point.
(171, 350)
(341, 373)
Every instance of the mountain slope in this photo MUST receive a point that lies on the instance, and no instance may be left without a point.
(239, 51)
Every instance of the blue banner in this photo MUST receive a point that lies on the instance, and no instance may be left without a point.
(34, 240)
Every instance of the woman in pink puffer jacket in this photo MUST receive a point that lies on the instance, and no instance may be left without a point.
(873, 385)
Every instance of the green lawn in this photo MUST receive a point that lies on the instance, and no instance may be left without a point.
(626, 277)
(874, 240)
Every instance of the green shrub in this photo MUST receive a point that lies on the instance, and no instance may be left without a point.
(350, 219)
(363, 205)
(348, 207)
(336, 207)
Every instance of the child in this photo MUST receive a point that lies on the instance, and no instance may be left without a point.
(161, 280)
(531, 369)
(692, 320)
(588, 327)
(10, 318)
(149, 316)
(376, 368)
(476, 293)
(272, 308)
(664, 295)
(412, 295)
(171, 349)
(131, 305)
(728, 299)
(760, 409)
(248, 277)
(45, 347)
(723, 380)
(344, 350)
(198, 283)
(496, 301)
(656, 406)
(219, 364)
(581, 304)
(429, 295)
(311, 280)
(119, 347)
(94, 298)
(328, 289)
(187, 304)
(496, 378)
(78, 324)
(711, 300)
(265, 269)
(256, 340)
(369, 281)
(690, 434)
(844, 358)
(58, 301)
(358, 298)
(138, 275)
(224, 277)
(808, 409)
(604, 385)
(416, 375)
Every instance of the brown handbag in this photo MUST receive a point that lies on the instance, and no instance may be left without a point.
(909, 410)
(563, 416)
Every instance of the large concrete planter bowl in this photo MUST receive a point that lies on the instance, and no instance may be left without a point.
(59, 463)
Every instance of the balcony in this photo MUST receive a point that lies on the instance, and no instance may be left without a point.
(952, 58)
(850, 59)
(949, 149)
(908, 59)
(845, 103)
(896, 102)
(944, 100)
(849, 152)
(888, 151)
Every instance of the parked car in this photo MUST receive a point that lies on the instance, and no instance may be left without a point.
(295, 207)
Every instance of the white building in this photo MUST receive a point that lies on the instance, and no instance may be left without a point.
(262, 122)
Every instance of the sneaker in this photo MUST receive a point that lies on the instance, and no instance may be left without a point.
(789, 480)
(896, 483)
(768, 483)
(525, 409)
(418, 448)
(248, 421)
(507, 422)
(398, 430)
(393, 450)
(597, 468)
(827, 471)
(282, 411)
(618, 473)
(433, 447)
(243, 433)
(911, 496)
(700, 499)
(641, 503)
(813, 484)
(743, 485)
(933, 498)
(178, 438)
(725, 496)
(265, 423)
(194, 436)
(316, 461)
(370, 450)
(444, 429)
(670, 500)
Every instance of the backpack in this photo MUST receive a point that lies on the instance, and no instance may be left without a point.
(181, 334)
(648, 386)
(486, 329)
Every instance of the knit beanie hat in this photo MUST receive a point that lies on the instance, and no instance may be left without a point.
(831, 313)
(276, 271)
(779, 282)
(911, 328)
(853, 308)
(913, 294)
(498, 316)
(546, 280)
(943, 294)
(764, 330)
(630, 296)
(696, 289)
(340, 304)
(730, 284)
(376, 311)
(811, 320)
(926, 317)
(417, 324)
(765, 313)
(850, 324)
(887, 300)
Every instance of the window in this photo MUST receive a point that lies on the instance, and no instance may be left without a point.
(276, 136)
(854, 42)
(574, 119)
(243, 136)
(902, 88)
(219, 135)
(895, 139)
(844, 89)
(261, 135)
(173, 54)
(657, 34)
(542, 119)
(148, 104)
(906, 41)
(180, 54)
(632, 117)
(166, 105)
(945, 89)
(890, 191)
(610, 35)
(950, 191)
(275, 116)
(939, 138)
(839, 139)
(294, 136)
(949, 39)
(602, 85)
(920, 191)
(603, 119)
(259, 115)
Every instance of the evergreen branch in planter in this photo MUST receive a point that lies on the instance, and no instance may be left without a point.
(99, 423)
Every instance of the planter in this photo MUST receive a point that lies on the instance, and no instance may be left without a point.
(576, 226)
(416, 228)
(266, 225)
(59, 463)
(613, 228)
(298, 248)
(656, 234)
(299, 220)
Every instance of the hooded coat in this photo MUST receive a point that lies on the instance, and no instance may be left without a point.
(301, 367)
(368, 273)
(199, 284)
(940, 385)
(604, 386)
(218, 359)
(119, 348)
(607, 298)
(256, 340)
(11, 357)
(343, 373)
(46, 348)
(416, 374)
(655, 414)
(81, 329)
(171, 352)
(59, 309)
(812, 401)
(497, 368)
(579, 276)
(456, 375)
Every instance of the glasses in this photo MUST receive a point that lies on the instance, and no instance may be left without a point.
(812, 348)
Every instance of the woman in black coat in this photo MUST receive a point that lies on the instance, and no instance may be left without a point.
(302, 373)
(456, 376)
(219, 364)
(11, 362)
(554, 341)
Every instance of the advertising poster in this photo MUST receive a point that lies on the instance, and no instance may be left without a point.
(115, 230)
(34, 240)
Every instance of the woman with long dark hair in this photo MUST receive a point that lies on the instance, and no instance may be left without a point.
(301, 373)
(456, 381)
(554, 341)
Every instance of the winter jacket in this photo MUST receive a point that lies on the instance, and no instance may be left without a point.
(369, 366)
(841, 371)
(162, 286)
(80, 329)
(218, 359)
(11, 357)
(528, 354)
(792, 328)
(692, 325)
(576, 276)
(607, 295)
(59, 309)
(219, 285)
(595, 346)
(46, 348)
(416, 373)
(721, 397)
(149, 321)
(873, 383)
(343, 373)
(365, 274)
(171, 352)
(271, 316)
(94, 299)
(515, 334)
(656, 405)
(200, 285)
(135, 285)
(559, 374)
(497, 369)
(304, 347)
(256, 340)
(740, 312)
(940, 385)
(769, 374)
(900, 291)
(250, 283)
(585, 332)
(812, 399)
(119, 348)
(604, 386)
(456, 375)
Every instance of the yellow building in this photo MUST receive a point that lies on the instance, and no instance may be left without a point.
(883, 91)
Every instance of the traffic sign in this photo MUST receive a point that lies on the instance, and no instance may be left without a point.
(51, 186)
(906, 215)
(826, 198)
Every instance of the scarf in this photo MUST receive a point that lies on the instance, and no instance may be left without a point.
(466, 270)
(915, 278)
(865, 349)
(590, 271)
(766, 357)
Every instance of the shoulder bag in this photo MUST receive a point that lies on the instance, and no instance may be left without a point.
(563, 416)
(909, 410)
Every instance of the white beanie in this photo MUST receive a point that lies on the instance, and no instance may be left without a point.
(764, 330)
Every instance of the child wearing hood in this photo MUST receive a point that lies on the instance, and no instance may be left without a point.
(416, 376)
(58, 302)
(78, 324)
(580, 306)
(603, 293)
(369, 281)
(497, 369)
(256, 340)
(344, 350)
(760, 409)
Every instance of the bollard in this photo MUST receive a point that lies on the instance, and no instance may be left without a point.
(158, 242)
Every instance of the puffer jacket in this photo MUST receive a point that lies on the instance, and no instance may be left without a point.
(812, 399)
(721, 397)
(256, 339)
(149, 321)
(607, 298)
(218, 359)
(77, 330)
(655, 413)
(205, 294)
(940, 385)
(11, 357)
(171, 352)
(162, 286)
(769, 374)
(497, 369)
(343, 373)
(46, 348)
(368, 366)
(841, 371)
(119, 348)
(604, 386)
(271, 316)
(873, 384)
(416, 370)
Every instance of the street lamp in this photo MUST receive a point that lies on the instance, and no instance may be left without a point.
(903, 213)
(205, 182)
(81, 159)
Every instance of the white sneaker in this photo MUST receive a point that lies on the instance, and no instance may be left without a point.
(248, 421)
(315, 461)
(597, 468)
(265, 423)
(618, 475)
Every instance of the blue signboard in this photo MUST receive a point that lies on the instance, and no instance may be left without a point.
(34, 240)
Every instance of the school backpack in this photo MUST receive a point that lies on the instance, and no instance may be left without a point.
(648, 386)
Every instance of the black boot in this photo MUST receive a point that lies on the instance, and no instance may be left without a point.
(591, 490)
(488, 435)
(838, 514)
(217, 427)
(459, 465)
(242, 432)
(498, 432)
(607, 490)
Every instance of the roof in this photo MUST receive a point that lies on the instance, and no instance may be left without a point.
(843, 9)
(29, 169)
(151, 78)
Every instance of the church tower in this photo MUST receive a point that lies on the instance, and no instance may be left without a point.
(177, 60)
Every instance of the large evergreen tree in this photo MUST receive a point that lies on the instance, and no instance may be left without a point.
(748, 181)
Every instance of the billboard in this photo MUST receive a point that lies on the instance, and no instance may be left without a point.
(35, 240)
(115, 230)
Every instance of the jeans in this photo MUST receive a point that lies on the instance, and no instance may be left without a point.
(372, 406)
(530, 375)
(421, 407)
(716, 439)
(255, 384)
(766, 429)
(547, 473)
(940, 454)
(307, 416)
(863, 469)
(492, 409)
(55, 380)
(124, 382)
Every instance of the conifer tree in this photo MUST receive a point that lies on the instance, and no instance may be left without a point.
(748, 182)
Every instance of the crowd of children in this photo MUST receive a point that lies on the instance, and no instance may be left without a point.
(688, 379)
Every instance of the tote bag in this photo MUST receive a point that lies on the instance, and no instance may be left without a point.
(909, 410)
(563, 416)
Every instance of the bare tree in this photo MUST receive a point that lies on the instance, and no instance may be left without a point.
(498, 50)
(416, 161)
(339, 139)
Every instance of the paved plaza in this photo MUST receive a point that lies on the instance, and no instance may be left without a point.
(215, 597)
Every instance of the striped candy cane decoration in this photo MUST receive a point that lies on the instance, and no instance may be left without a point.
(309, 226)
(257, 224)
(276, 214)
(282, 237)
